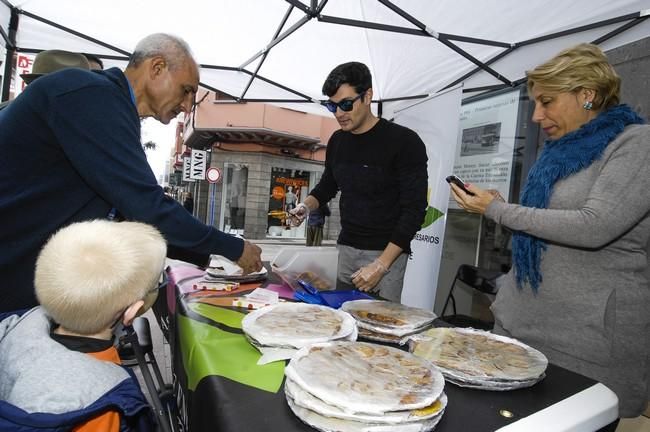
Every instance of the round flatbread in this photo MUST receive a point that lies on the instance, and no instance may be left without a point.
(306, 400)
(388, 317)
(493, 385)
(477, 357)
(365, 333)
(297, 325)
(360, 377)
(329, 424)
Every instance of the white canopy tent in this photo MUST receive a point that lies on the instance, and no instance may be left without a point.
(281, 51)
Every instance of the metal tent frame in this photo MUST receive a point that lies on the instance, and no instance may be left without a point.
(315, 11)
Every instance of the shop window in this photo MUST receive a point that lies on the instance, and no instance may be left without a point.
(288, 188)
(234, 199)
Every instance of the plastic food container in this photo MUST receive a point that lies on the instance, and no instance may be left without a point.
(315, 265)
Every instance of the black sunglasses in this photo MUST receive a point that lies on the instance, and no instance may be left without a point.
(345, 105)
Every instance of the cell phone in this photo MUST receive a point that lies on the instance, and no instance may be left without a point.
(458, 182)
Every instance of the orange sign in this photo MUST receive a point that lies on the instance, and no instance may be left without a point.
(295, 182)
(278, 193)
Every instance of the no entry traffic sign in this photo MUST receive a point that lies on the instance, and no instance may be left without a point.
(213, 175)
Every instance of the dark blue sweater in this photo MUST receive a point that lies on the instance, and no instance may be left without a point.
(71, 151)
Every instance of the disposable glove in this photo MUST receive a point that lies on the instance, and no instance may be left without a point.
(298, 214)
(369, 275)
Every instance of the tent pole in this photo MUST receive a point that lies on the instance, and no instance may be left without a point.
(300, 5)
(266, 53)
(309, 14)
(209, 87)
(445, 41)
(619, 30)
(11, 51)
(75, 33)
(260, 77)
(404, 98)
(283, 87)
(371, 25)
(639, 19)
(277, 40)
(581, 28)
(477, 69)
(320, 7)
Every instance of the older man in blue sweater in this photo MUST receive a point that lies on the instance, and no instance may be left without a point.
(71, 151)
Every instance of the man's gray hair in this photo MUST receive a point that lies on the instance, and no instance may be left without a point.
(172, 48)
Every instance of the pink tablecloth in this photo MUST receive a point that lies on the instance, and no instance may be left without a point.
(185, 276)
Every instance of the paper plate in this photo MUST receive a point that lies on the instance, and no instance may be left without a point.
(360, 377)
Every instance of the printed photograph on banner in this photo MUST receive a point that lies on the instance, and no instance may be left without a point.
(487, 142)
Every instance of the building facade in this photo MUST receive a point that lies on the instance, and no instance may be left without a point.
(269, 159)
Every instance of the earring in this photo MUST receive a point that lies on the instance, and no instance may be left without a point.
(588, 105)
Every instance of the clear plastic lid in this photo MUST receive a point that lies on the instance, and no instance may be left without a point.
(297, 325)
(362, 377)
(479, 356)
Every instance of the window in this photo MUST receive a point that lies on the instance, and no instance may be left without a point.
(288, 188)
(233, 214)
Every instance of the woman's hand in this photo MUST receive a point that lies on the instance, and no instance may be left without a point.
(476, 203)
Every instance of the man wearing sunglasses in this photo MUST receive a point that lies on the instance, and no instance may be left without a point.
(381, 170)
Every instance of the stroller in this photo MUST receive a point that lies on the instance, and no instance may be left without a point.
(136, 349)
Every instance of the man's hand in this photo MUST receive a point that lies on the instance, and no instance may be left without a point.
(297, 215)
(369, 275)
(250, 260)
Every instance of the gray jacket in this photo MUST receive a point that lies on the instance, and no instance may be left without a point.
(591, 314)
(37, 374)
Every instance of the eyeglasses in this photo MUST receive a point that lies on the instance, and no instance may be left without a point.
(345, 105)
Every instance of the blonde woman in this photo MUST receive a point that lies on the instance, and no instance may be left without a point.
(577, 290)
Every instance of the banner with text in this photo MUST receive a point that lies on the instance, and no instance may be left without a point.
(436, 121)
(24, 63)
(486, 142)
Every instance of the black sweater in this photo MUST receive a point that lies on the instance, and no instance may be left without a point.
(382, 176)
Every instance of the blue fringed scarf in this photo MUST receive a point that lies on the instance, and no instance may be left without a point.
(559, 159)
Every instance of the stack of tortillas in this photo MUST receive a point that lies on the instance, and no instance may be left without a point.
(363, 387)
(279, 330)
(479, 359)
(386, 321)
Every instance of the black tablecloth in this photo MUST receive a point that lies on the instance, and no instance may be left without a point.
(218, 403)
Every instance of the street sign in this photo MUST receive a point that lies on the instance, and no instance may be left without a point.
(187, 169)
(213, 175)
(199, 163)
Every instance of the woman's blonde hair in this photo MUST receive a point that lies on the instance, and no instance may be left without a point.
(90, 272)
(583, 66)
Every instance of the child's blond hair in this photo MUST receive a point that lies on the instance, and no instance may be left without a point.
(90, 272)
